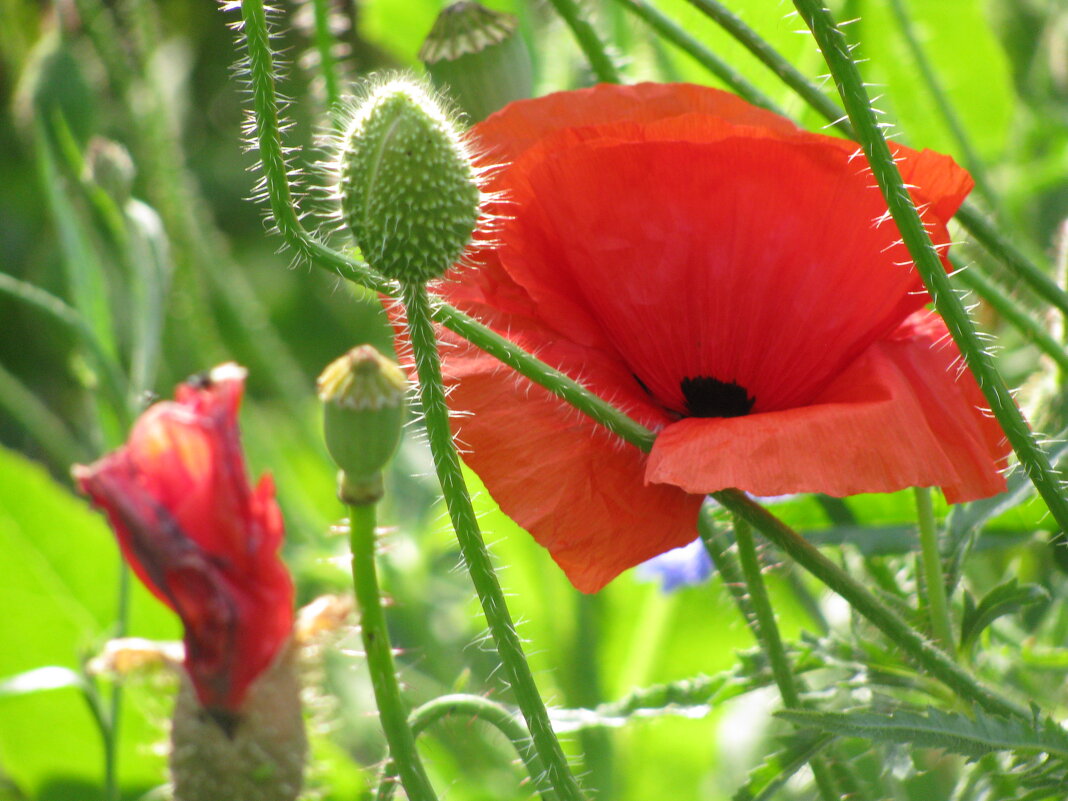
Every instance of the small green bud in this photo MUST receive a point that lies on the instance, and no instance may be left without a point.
(109, 166)
(408, 191)
(363, 415)
(476, 54)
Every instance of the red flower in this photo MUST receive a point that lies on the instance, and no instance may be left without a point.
(730, 281)
(198, 536)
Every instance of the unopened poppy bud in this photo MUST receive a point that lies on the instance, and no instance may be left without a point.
(256, 752)
(109, 166)
(408, 191)
(363, 414)
(478, 57)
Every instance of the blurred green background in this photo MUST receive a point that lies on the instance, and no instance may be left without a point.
(186, 260)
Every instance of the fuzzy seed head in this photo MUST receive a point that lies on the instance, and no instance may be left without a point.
(408, 191)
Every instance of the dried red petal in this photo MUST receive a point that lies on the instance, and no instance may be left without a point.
(199, 537)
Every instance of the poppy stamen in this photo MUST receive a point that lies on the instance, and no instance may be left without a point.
(710, 397)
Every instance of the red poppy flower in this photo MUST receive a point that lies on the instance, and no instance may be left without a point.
(198, 536)
(728, 280)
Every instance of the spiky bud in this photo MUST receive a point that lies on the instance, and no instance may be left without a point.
(363, 415)
(476, 55)
(257, 752)
(408, 190)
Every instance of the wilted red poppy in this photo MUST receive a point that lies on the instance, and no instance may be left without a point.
(728, 280)
(198, 536)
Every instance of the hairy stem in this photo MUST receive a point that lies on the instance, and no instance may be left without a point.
(478, 708)
(379, 654)
(476, 557)
(771, 642)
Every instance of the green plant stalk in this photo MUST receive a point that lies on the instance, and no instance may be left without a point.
(324, 45)
(931, 658)
(1019, 318)
(473, 548)
(718, 547)
(40, 422)
(771, 642)
(596, 51)
(379, 654)
(972, 162)
(670, 30)
(471, 706)
(855, 97)
(995, 243)
(935, 581)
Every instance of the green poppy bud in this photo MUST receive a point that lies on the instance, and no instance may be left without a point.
(478, 57)
(363, 415)
(408, 191)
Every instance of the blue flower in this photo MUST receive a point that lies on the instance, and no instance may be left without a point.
(679, 567)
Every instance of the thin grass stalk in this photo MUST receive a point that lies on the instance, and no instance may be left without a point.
(476, 557)
(477, 708)
(855, 96)
(986, 234)
(591, 43)
(49, 432)
(671, 31)
(324, 46)
(972, 161)
(771, 643)
(379, 655)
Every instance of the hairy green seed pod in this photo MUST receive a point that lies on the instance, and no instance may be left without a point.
(476, 54)
(257, 752)
(408, 190)
(363, 416)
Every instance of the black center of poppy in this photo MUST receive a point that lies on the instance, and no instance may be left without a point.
(710, 397)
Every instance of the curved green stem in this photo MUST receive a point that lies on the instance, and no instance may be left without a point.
(476, 557)
(596, 51)
(379, 654)
(771, 642)
(935, 581)
(851, 87)
(932, 659)
(472, 706)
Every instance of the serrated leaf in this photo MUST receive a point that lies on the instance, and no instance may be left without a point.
(1002, 600)
(40, 679)
(779, 766)
(959, 734)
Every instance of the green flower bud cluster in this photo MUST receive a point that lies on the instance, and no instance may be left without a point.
(363, 396)
(408, 191)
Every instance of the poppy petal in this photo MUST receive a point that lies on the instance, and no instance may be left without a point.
(900, 416)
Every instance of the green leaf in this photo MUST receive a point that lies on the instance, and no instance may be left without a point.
(1002, 600)
(954, 732)
(61, 573)
(779, 766)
